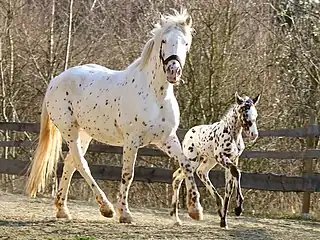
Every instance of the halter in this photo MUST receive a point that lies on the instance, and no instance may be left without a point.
(168, 59)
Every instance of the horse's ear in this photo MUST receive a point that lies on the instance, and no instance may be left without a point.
(146, 52)
(162, 20)
(239, 100)
(189, 21)
(256, 99)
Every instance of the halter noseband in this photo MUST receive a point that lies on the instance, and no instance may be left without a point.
(168, 59)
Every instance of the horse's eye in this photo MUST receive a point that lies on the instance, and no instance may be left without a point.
(187, 44)
(164, 41)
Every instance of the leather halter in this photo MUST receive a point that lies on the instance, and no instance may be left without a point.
(168, 59)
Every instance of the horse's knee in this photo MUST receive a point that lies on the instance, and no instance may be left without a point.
(126, 177)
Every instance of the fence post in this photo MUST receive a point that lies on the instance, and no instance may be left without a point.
(307, 164)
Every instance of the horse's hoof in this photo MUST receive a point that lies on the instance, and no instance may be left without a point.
(107, 211)
(126, 219)
(238, 210)
(196, 214)
(63, 214)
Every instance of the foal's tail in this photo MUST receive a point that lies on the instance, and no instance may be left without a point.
(46, 155)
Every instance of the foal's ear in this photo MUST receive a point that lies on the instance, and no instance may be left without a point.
(239, 100)
(256, 99)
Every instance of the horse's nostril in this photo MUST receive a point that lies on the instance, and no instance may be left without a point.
(179, 71)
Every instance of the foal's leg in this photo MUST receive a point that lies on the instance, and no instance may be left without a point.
(68, 170)
(130, 150)
(229, 183)
(231, 174)
(172, 147)
(239, 197)
(80, 163)
(203, 174)
(176, 184)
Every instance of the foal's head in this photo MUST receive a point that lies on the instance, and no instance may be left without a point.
(174, 33)
(248, 114)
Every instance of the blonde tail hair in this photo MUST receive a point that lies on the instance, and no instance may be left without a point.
(46, 155)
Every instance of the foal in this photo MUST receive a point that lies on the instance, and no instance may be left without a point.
(220, 143)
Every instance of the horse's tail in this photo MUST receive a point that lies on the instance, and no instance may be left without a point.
(46, 155)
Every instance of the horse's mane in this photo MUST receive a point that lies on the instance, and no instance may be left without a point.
(180, 19)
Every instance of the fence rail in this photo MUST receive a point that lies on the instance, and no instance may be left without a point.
(153, 152)
(257, 181)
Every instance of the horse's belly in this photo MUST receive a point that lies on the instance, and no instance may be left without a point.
(102, 131)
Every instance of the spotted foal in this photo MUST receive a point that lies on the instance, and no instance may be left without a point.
(220, 143)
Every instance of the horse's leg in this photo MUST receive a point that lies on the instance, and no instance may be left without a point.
(178, 178)
(60, 200)
(130, 150)
(68, 170)
(172, 147)
(203, 174)
(239, 197)
(80, 163)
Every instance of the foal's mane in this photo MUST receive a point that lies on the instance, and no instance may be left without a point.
(180, 19)
(229, 113)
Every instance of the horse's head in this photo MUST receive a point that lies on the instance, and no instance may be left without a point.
(175, 42)
(248, 115)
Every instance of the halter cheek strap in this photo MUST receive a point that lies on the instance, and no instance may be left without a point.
(168, 59)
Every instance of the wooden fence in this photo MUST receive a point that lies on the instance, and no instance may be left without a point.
(309, 181)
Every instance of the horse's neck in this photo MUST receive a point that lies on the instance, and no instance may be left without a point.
(233, 121)
(156, 77)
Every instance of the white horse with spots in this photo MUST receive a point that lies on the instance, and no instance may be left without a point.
(130, 108)
(219, 143)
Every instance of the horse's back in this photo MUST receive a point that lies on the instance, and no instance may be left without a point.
(77, 95)
(78, 80)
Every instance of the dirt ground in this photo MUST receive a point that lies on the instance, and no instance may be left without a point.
(23, 218)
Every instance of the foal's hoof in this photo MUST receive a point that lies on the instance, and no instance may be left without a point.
(172, 212)
(107, 211)
(196, 214)
(238, 210)
(223, 224)
(125, 219)
(178, 223)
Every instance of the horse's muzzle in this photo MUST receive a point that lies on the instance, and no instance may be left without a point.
(173, 71)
